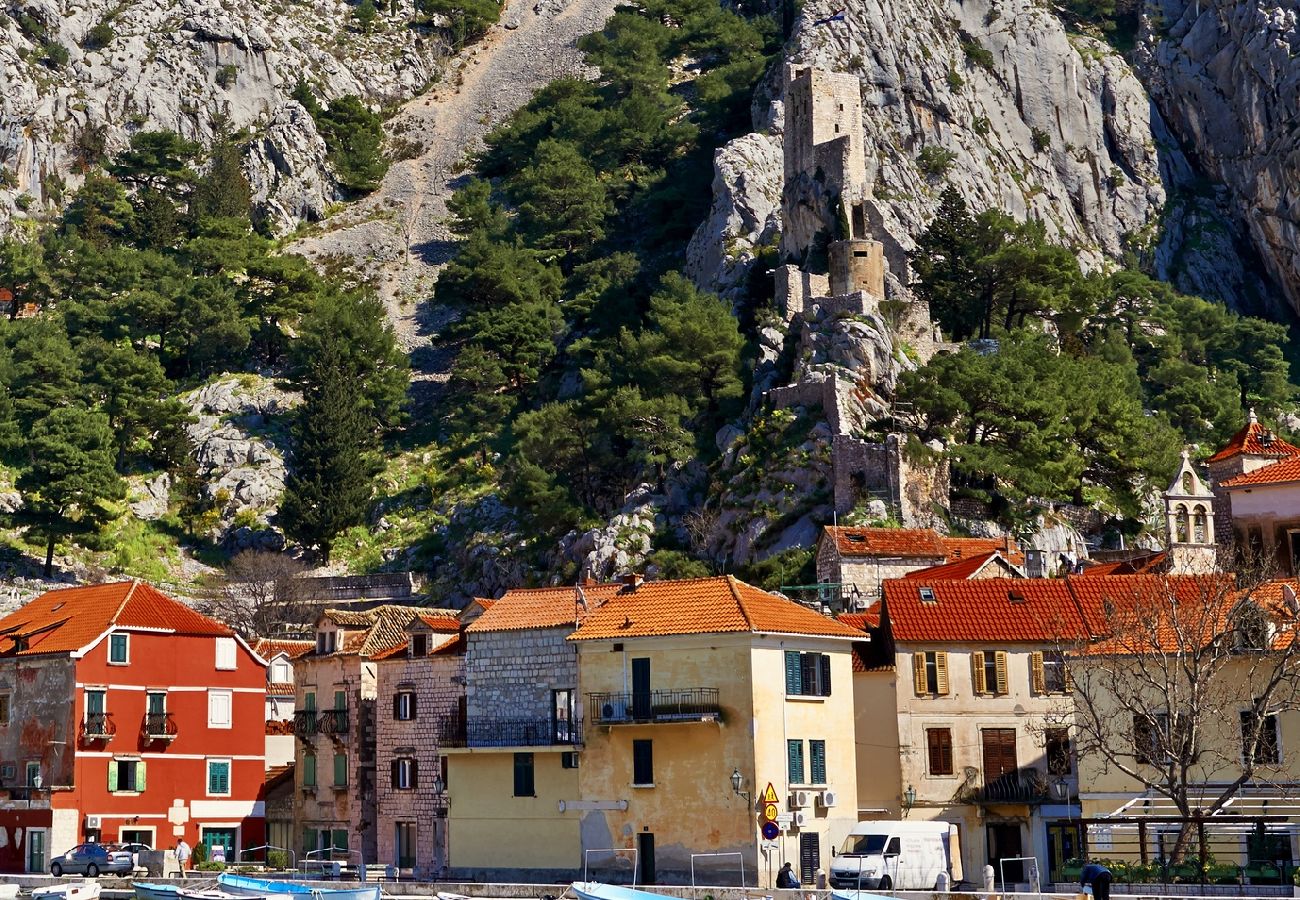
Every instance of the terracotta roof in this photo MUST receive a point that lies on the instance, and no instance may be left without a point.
(1284, 472)
(450, 647)
(70, 619)
(886, 542)
(549, 607)
(280, 689)
(1150, 564)
(965, 547)
(861, 621)
(268, 647)
(1026, 610)
(962, 569)
(1255, 440)
(447, 620)
(1169, 616)
(279, 775)
(384, 627)
(702, 606)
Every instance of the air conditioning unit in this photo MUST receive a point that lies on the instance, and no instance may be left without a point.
(799, 799)
(93, 822)
(827, 799)
(800, 819)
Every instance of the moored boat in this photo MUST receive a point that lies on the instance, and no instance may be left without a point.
(86, 890)
(146, 890)
(245, 887)
(596, 890)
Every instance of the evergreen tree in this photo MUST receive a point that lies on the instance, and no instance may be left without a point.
(99, 212)
(562, 203)
(71, 478)
(223, 190)
(159, 160)
(131, 389)
(44, 371)
(22, 272)
(365, 14)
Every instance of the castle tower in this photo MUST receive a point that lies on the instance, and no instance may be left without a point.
(1189, 523)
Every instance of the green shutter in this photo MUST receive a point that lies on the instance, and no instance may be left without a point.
(340, 839)
(218, 778)
(794, 753)
(817, 751)
(340, 769)
(309, 770)
(139, 775)
(793, 673)
(309, 701)
(112, 774)
(340, 699)
(824, 681)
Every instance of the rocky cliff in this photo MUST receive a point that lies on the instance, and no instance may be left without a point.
(80, 76)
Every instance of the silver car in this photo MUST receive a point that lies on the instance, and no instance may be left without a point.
(93, 859)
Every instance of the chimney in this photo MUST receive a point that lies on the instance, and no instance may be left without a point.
(632, 580)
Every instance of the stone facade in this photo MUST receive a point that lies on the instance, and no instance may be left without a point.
(513, 674)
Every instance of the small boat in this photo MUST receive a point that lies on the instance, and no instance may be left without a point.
(87, 890)
(8, 891)
(596, 890)
(145, 890)
(858, 895)
(270, 889)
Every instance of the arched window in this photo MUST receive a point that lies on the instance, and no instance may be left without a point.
(1180, 525)
(1198, 526)
(1187, 482)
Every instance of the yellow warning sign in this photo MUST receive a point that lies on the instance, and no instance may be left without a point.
(770, 811)
(769, 795)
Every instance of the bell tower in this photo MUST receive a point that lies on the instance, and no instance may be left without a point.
(1189, 523)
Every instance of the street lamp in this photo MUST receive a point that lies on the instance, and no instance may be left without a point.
(909, 800)
(736, 781)
(37, 781)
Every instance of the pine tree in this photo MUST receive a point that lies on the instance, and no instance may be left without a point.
(71, 478)
(223, 191)
(43, 374)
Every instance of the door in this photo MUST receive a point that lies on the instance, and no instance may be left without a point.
(36, 850)
(1062, 846)
(562, 717)
(405, 857)
(999, 753)
(641, 688)
(645, 855)
(1004, 843)
(810, 858)
(220, 844)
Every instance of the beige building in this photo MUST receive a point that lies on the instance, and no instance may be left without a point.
(281, 746)
(1256, 484)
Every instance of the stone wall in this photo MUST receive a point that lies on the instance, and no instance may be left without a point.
(42, 694)
(910, 490)
(510, 674)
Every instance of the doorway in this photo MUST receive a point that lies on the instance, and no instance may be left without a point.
(1063, 845)
(220, 843)
(641, 688)
(137, 836)
(645, 854)
(1004, 843)
(36, 850)
(810, 857)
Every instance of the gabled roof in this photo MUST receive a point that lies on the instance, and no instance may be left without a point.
(549, 607)
(1284, 472)
(71, 619)
(1255, 440)
(374, 630)
(1149, 564)
(702, 606)
(861, 621)
(269, 647)
(964, 569)
(965, 547)
(890, 543)
(442, 620)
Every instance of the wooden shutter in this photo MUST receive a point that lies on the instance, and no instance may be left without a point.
(397, 708)
(918, 673)
(415, 773)
(793, 673)
(941, 671)
(395, 773)
(139, 775)
(817, 757)
(1037, 678)
(939, 746)
(824, 673)
(643, 767)
(112, 774)
(810, 857)
(413, 704)
(977, 672)
(1000, 664)
(999, 752)
(794, 761)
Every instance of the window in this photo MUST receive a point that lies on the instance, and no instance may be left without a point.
(29, 777)
(404, 706)
(325, 641)
(927, 594)
(118, 649)
(405, 774)
(1047, 673)
(340, 700)
(807, 674)
(4, 709)
(405, 844)
(126, 775)
(643, 762)
(999, 752)
(8, 772)
(280, 673)
(1267, 750)
(156, 703)
(989, 672)
(225, 653)
(419, 645)
(817, 757)
(569, 759)
(1057, 746)
(562, 716)
(524, 775)
(930, 672)
(219, 709)
(938, 743)
(1155, 737)
(309, 701)
(340, 770)
(218, 777)
(794, 761)
(309, 770)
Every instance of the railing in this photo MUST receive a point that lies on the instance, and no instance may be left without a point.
(304, 723)
(98, 727)
(684, 705)
(333, 721)
(159, 726)
(1016, 786)
(454, 731)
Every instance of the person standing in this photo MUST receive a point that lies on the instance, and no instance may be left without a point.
(785, 878)
(1098, 877)
(182, 854)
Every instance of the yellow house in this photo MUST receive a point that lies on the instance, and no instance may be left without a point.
(699, 695)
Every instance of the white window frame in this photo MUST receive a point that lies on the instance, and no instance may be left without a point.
(404, 705)
(126, 637)
(207, 775)
(229, 696)
(29, 776)
(405, 769)
(134, 789)
(227, 658)
(280, 672)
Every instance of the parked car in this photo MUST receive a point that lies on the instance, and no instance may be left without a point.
(134, 850)
(93, 859)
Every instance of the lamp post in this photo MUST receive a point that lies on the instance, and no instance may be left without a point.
(909, 800)
(736, 781)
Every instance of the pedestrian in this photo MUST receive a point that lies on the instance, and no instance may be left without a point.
(785, 878)
(1096, 876)
(182, 854)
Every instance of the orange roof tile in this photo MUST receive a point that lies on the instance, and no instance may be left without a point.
(1284, 472)
(965, 547)
(445, 620)
(887, 542)
(962, 569)
(702, 606)
(1255, 440)
(1150, 564)
(862, 621)
(280, 689)
(549, 607)
(268, 647)
(70, 619)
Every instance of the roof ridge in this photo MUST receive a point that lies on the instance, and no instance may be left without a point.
(732, 582)
(130, 592)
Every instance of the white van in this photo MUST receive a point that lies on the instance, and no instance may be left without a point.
(904, 856)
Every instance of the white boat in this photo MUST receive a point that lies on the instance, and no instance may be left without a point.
(8, 891)
(145, 890)
(269, 889)
(88, 890)
(858, 895)
(596, 890)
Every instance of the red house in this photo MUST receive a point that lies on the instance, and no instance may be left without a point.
(126, 716)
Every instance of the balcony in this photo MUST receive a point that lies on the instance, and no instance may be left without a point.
(98, 727)
(159, 727)
(304, 723)
(684, 705)
(454, 731)
(1017, 786)
(333, 721)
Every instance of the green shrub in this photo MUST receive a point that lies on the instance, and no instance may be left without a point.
(977, 53)
(1042, 140)
(277, 859)
(98, 37)
(210, 867)
(226, 75)
(934, 162)
(55, 54)
(365, 14)
(955, 81)
(981, 125)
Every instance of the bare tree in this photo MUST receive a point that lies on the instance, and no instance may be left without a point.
(1180, 683)
(264, 594)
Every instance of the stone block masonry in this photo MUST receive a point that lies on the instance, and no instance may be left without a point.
(510, 674)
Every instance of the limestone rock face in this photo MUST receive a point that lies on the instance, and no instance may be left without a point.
(186, 66)
(1225, 76)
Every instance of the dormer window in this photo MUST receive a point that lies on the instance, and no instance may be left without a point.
(927, 595)
(325, 641)
(1015, 597)
(419, 645)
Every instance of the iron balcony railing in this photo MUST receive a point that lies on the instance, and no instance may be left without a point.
(333, 721)
(98, 727)
(455, 731)
(682, 705)
(159, 726)
(304, 723)
(1016, 786)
